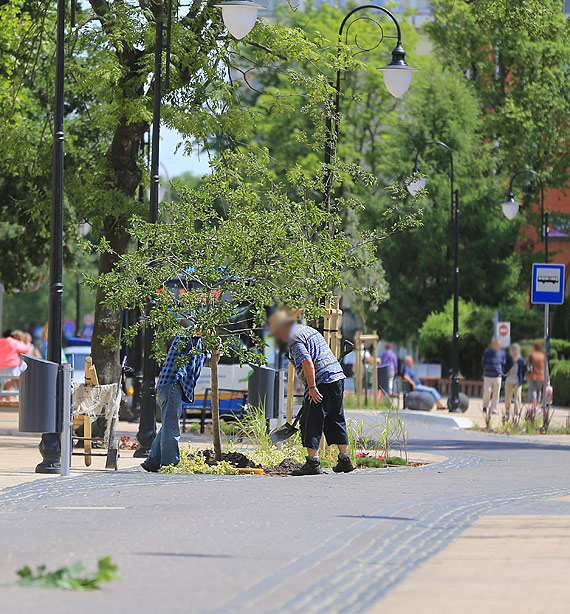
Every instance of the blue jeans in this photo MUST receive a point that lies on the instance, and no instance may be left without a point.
(165, 450)
(434, 393)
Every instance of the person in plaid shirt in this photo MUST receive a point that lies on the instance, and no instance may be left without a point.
(178, 376)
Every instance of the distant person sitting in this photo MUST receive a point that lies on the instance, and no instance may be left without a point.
(410, 376)
(389, 360)
(10, 349)
(493, 363)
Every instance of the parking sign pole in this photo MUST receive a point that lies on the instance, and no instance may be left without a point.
(546, 325)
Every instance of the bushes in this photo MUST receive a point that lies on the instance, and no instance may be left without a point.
(560, 380)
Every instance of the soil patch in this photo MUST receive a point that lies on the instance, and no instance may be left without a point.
(285, 467)
(237, 459)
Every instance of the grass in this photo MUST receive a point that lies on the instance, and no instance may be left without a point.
(194, 462)
(527, 427)
(351, 402)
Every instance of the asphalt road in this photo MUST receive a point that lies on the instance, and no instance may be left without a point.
(237, 544)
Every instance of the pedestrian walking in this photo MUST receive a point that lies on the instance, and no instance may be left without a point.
(176, 382)
(536, 363)
(10, 350)
(319, 370)
(493, 363)
(515, 373)
(389, 360)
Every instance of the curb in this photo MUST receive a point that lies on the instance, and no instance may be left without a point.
(447, 420)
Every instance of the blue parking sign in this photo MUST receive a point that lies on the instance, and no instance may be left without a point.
(547, 284)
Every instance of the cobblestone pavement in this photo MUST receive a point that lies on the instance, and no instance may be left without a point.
(233, 544)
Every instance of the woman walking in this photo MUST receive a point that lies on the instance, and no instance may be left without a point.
(515, 373)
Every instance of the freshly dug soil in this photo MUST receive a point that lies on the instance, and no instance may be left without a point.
(285, 467)
(237, 459)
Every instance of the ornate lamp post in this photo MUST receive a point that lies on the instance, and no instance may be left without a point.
(50, 448)
(397, 79)
(510, 209)
(239, 17)
(453, 403)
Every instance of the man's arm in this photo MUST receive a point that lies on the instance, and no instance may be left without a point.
(409, 379)
(309, 371)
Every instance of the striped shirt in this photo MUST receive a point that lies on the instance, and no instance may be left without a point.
(182, 365)
(306, 343)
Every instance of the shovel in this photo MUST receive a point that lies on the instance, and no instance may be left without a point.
(285, 431)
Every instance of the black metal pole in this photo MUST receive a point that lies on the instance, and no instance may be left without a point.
(50, 445)
(147, 425)
(332, 127)
(78, 307)
(455, 374)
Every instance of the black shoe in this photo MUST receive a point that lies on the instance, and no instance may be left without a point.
(149, 468)
(311, 467)
(49, 468)
(343, 466)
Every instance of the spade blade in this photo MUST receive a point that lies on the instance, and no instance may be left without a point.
(283, 433)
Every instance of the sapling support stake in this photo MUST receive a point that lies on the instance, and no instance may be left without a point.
(216, 405)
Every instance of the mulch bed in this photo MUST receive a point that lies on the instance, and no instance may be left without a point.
(237, 459)
(285, 467)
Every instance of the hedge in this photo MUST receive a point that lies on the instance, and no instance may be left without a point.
(560, 380)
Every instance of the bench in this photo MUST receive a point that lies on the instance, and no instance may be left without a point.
(232, 404)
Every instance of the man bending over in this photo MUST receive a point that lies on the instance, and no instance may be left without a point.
(320, 371)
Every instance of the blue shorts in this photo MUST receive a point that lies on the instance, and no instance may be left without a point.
(325, 417)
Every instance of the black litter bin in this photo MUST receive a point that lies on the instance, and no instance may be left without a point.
(38, 397)
(383, 379)
(265, 390)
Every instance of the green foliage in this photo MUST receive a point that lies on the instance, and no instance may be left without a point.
(194, 462)
(560, 380)
(71, 578)
(515, 56)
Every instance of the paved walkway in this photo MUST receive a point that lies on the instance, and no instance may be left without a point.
(357, 543)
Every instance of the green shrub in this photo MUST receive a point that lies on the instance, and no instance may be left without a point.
(560, 380)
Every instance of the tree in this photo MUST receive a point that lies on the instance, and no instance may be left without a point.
(419, 263)
(233, 261)
(515, 55)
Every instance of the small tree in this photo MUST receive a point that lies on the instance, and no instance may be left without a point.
(234, 244)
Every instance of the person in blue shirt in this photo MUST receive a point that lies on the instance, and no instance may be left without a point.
(493, 363)
(410, 376)
(176, 382)
(322, 374)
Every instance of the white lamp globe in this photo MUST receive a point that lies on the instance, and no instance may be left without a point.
(398, 80)
(416, 185)
(239, 16)
(397, 74)
(510, 207)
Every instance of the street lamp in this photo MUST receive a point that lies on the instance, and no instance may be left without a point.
(239, 16)
(413, 187)
(510, 209)
(50, 445)
(397, 79)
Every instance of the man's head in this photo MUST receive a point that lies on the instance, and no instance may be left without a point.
(388, 346)
(409, 361)
(537, 346)
(496, 344)
(280, 323)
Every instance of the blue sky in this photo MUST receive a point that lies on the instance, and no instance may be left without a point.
(178, 163)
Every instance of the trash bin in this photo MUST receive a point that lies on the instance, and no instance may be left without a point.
(38, 397)
(383, 379)
(265, 390)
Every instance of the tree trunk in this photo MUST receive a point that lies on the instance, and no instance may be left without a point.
(125, 177)
(216, 406)
(106, 342)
